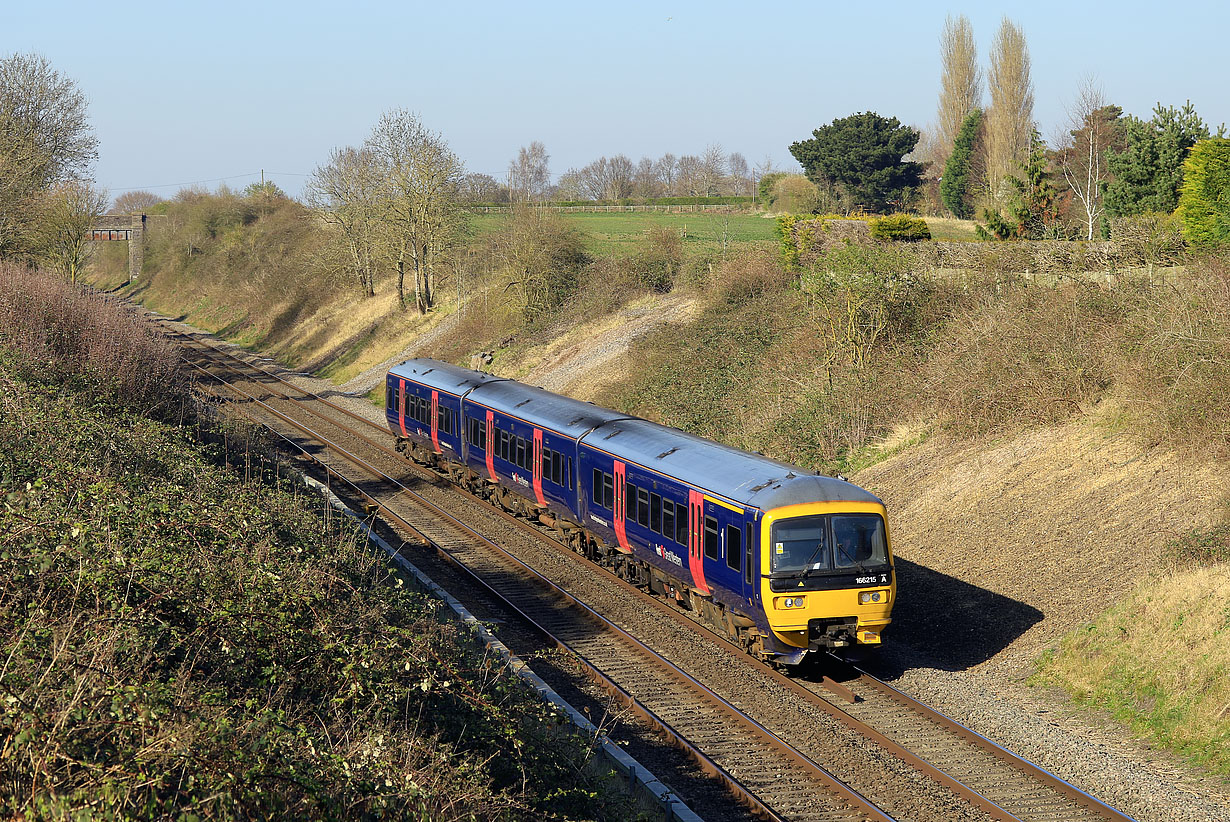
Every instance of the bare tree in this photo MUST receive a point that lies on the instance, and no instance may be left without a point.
(482, 188)
(420, 179)
(65, 217)
(135, 202)
(712, 170)
(666, 167)
(645, 182)
(740, 174)
(1093, 127)
(571, 186)
(45, 139)
(960, 85)
(688, 176)
(344, 193)
(606, 179)
(1010, 120)
(529, 177)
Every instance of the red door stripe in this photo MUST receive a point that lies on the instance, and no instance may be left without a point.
(538, 467)
(621, 507)
(401, 408)
(696, 534)
(491, 446)
(435, 421)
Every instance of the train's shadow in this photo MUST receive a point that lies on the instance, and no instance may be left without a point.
(943, 622)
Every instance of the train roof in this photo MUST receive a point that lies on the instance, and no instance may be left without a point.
(442, 376)
(543, 408)
(750, 479)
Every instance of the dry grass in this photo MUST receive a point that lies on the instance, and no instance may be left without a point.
(1159, 661)
(946, 228)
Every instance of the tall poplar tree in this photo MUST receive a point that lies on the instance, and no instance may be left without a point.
(960, 82)
(1010, 119)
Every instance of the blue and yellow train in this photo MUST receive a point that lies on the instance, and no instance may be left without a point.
(781, 561)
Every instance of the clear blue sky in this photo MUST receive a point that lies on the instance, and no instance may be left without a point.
(185, 92)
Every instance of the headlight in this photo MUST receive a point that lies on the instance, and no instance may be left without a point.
(867, 597)
(792, 602)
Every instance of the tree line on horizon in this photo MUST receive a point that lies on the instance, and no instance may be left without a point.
(399, 198)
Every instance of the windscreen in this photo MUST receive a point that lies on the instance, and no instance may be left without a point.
(822, 543)
(799, 544)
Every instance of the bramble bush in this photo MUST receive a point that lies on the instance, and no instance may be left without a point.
(65, 333)
(181, 643)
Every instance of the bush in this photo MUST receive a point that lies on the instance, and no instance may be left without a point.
(1151, 238)
(795, 194)
(65, 334)
(1204, 203)
(900, 228)
(180, 644)
(661, 260)
(747, 276)
(1174, 358)
(544, 255)
(1021, 355)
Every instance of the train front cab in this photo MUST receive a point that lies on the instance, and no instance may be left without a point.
(827, 579)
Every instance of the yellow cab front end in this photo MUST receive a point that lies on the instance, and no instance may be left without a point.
(827, 578)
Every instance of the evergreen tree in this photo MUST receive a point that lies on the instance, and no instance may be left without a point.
(1204, 205)
(1148, 172)
(860, 157)
(1033, 211)
(956, 184)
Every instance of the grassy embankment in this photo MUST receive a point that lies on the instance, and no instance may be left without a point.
(182, 642)
(868, 350)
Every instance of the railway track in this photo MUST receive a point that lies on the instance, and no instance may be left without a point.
(758, 731)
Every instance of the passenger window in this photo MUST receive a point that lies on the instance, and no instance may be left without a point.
(734, 546)
(388, 396)
(520, 460)
(608, 491)
(570, 473)
(597, 493)
(642, 512)
(668, 519)
(711, 538)
(681, 525)
(655, 513)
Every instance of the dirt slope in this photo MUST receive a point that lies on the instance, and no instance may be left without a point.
(586, 358)
(1007, 544)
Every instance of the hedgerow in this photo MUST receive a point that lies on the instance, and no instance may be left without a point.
(181, 643)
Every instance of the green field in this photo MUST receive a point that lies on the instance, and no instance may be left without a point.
(620, 234)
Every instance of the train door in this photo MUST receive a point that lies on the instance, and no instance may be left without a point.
(435, 420)
(620, 512)
(490, 447)
(751, 561)
(401, 407)
(696, 539)
(537, 467)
